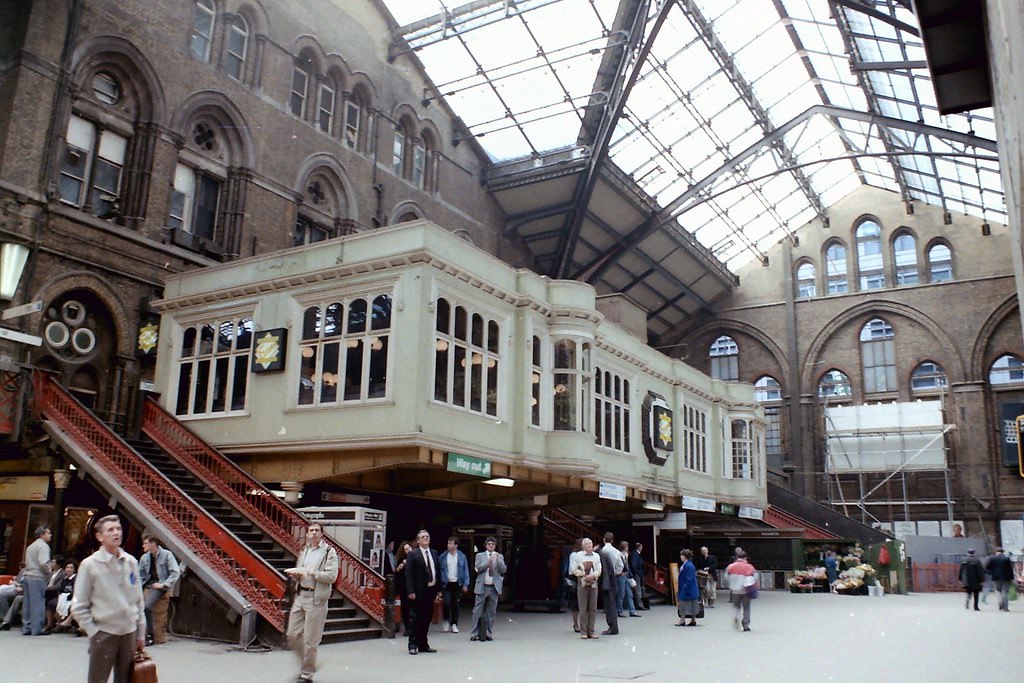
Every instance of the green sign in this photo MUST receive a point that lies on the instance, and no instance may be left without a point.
(728, 509)
(467, 464)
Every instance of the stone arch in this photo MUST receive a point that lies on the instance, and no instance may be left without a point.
(54, 288)
(115, 53)
(255, 16)
(328, 167)
(217, 108)
(978, 366)
(880, 308)
(727, 326)
(406, 211)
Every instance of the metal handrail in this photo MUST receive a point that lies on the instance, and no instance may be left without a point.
(357, 581)
(236, 564)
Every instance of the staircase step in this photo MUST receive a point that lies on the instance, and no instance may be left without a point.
(352, 634)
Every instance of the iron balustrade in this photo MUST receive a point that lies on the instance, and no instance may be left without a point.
(357, 581)
(257, 582)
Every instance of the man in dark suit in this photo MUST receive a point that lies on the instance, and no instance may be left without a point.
(422, 581)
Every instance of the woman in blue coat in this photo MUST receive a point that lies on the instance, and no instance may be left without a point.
(689, 591)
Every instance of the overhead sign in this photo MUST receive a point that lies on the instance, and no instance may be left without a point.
(20, 337)
(611, 491)
(702, 504)
(334, 497)
(467, 464)
(748, 512)
(24, 309)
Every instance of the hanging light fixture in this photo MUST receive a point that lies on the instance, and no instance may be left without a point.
(12, 264)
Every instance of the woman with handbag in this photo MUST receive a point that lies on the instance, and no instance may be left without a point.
(689, 592)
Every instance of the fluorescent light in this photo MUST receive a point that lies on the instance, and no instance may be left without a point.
(501, 481)
(655, 505)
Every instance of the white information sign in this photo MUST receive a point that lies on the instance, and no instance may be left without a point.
(611, 491)
(702, 504)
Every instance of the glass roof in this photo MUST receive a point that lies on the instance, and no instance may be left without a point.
(713, 127)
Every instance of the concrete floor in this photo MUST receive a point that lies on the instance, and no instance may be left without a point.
(794, 638)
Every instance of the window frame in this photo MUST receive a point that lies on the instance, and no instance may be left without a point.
(612, 409)
(471, 359)
(694, 422)
(235, 360)
(878, 357)
(203, 9)
(870, 256)
(233, 59)
(89, 194)
(372, 341)
(724, 359)
(906, 271)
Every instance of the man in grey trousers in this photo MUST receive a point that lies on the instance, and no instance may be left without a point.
(490, 576)
(108, 605)
(316, 570)
(37, 575)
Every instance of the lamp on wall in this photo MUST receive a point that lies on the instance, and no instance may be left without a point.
(12, 263)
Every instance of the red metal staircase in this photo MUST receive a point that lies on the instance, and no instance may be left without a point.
(356, 580)
(225, 563)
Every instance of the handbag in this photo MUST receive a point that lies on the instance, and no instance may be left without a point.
(143, 668)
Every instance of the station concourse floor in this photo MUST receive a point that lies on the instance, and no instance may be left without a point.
(926, 637)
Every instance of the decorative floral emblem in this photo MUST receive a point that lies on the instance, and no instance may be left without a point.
(268, 350)
(149, 334)
(665, 430)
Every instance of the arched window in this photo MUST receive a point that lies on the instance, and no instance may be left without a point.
(326, 103)
(611, 410)
(869, 255)
(835, 384)
(202, 29)
(927, 376)
(467, 360)
(805, 287)
(904, 255)
(1008, 369)
(323, 207)
(725, 359)
(398, 151)
(419, 163)
(878, 356)
(213, 367)
(940, 263)
(356, 118)
(302, 79)
(342, 356)
(199, 177)
(92, 163)
(835, 269)
(768, 392)
(237, 48)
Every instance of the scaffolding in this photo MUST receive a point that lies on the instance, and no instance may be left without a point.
(888, 460)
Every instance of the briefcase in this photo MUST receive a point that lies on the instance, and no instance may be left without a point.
(143, 668)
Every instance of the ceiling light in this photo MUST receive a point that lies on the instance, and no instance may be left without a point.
(501, 481)
(655, 505)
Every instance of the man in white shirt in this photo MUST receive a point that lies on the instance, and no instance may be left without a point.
(490, 574)
(316, 570)
(108, 605)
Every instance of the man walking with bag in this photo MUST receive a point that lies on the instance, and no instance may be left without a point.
(108, 605)
(316, 571)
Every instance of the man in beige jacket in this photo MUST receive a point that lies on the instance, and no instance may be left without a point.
(108, 605)
(316, 571)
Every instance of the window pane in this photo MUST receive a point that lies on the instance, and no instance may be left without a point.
(357, 316)
(354, 370)
(378, 379)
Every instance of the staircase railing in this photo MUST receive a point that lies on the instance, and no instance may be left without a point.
(356, 580)
(570, 528)
(259, 583)
(780, 519)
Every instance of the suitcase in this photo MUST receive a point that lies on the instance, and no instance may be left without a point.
(143, 668)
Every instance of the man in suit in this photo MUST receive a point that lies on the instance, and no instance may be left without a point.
(490, 574)
(612, 566)
(422, 582)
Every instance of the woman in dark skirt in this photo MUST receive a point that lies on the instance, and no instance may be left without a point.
(689, 592)
(403, 550)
